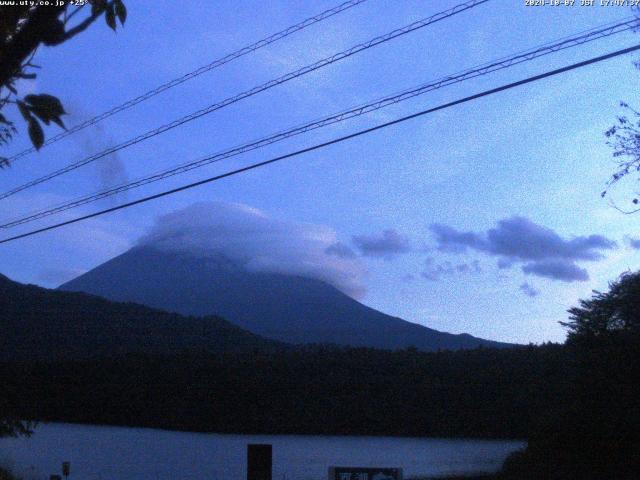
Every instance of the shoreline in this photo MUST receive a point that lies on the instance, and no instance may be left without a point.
(279, 434)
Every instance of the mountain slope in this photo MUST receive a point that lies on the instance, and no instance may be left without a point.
(37, 323)
(282, 307)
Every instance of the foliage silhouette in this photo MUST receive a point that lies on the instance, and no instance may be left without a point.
(23, 28)
(624, 138)
(593, 429)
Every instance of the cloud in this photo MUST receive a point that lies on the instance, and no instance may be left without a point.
(469, 267)
(633, 242)
(557, 270)
(434, 272)
(386, 244)
(64, 253)
(504, 264)
(451, 240)
(258, 242)
(529, 290)
(340, 250)
(110, 169)
(518, 239)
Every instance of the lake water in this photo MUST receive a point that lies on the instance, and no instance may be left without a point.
(110, 453)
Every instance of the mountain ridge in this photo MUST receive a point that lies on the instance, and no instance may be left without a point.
(286, 308)
(42, 324)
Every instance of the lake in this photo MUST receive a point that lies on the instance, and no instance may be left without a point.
(110, 453)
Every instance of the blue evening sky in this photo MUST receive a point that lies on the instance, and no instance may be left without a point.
(533, 158)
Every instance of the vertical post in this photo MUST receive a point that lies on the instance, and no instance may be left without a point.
(259, 461)
(66, 469)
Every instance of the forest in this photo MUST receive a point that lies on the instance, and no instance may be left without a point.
(577, 403)
(311, 390)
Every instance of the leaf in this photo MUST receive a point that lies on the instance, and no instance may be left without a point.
(52, 33)
(45, 102)
(121, 10)
(97, 6)
(24, 110)
(58, 121)
(4, 162)
(110, 17)
(46, 107)
(35, 133)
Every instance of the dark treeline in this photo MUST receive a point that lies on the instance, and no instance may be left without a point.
(37, 323)
(592, 430)
(315, 390)
(577, 404)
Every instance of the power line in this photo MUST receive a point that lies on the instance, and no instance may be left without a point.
(255, 90)
(195, 73)
(330, 142)
(484, 69)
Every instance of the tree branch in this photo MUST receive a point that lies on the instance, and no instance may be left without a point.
(82, 26)
(30, 36)
(626, 212)
(73, 14)
(26, 41)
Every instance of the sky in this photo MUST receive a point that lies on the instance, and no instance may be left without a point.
(484, 218)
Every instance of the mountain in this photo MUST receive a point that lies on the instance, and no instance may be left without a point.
(282, 307)
(37, 323)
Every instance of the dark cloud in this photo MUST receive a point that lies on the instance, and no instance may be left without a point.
(435, 271)
(258, 242)
(110, 169)
(469, 267)
(557, 270)
(634, 243)
(340, 250)
(518, 239)
(528, 290)
(386, 244)
(503, 264)
(451, 240)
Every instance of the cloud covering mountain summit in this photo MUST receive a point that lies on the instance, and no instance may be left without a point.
(258, 242)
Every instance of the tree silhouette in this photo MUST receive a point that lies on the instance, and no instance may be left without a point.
(11, 425)
(624, 138)
(616, 312)
(592, 429)
(23, 28)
